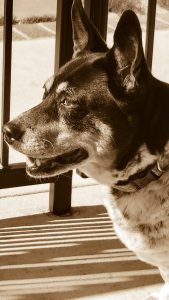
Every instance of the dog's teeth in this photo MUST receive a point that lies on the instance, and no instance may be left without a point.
(38, 163)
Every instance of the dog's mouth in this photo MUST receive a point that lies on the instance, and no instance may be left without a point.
(45, 167)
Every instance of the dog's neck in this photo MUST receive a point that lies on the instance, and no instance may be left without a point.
(157, 127)
(137, 175)
(143, 178)
(140, 171)
(156, 134)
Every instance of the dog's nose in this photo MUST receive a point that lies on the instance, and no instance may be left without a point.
(12, 132)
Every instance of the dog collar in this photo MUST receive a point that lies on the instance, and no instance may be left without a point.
(141, 180)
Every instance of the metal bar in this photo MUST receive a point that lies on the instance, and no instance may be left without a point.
(64, 42)
(97, 10)
(60, 191)
(6, 86)
(150, 32)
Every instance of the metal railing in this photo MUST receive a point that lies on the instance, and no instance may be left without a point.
(14, 175)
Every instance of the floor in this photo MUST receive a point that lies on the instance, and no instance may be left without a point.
(73, 257)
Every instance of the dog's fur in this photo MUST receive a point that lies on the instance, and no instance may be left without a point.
(105, 114)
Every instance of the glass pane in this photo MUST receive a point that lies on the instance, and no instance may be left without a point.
(160, 67)
(32, 55)
(116, 8)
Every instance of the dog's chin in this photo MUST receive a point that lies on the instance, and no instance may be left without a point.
(49, 167)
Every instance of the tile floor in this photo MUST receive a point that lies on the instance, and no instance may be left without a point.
(43, 256)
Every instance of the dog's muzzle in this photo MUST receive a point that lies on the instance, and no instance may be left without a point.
(44, 166)
(49, 166)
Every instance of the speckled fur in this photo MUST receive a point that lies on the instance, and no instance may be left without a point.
(141, 220)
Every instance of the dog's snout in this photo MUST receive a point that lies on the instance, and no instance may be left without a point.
(12, 132)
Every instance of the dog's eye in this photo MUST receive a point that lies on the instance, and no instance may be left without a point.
(67, 102)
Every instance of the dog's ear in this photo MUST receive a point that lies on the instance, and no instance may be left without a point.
(126, 55)
(86, 38)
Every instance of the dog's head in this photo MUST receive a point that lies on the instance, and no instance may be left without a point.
(93, 107)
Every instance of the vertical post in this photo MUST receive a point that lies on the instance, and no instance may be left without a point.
(60, 195)
(150, 32)
(60, 191)
(64, 42)
(6, 85)
(97, 10)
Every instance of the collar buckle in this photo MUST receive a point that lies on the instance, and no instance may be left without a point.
(157, 170)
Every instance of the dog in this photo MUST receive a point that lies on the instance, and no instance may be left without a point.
(105, 114)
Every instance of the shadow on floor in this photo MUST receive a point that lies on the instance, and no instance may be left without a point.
(49, 257)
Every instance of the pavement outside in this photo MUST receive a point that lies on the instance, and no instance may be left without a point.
(25, 9)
